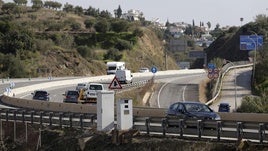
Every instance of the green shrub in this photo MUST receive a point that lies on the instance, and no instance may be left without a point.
(123, 45)
(252, 104)
(113, 54)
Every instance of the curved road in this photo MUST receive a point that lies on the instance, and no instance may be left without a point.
(176, 89)
(231, 93)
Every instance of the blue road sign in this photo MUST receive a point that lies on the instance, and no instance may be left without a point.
(153, 69)
(211, 66)
(250, 42)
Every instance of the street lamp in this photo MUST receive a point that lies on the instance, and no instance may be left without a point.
(254, 61)
(234, 83)
(165, 49)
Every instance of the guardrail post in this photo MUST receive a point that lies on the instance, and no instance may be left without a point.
(261, 132)
(15, 116)
(7, 115)
(181, 126)
(32, 113)
(41, 118)
(50, 118)
(82, 121)
(92, 119)
(71, 119)
(199, 128)
(219, 128)
(60, 120)
(164, 126)
(23, 116)
(239, 131)
(147, 124)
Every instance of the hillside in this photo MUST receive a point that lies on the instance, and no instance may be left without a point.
(59, 44)
(227, 46)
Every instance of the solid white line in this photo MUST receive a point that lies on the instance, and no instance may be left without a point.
(158, 96)
(183, 93)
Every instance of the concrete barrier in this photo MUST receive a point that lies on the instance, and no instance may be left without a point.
(48, 106)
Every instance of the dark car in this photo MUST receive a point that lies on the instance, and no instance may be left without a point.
(224, 107)
(191, 110)
(71, 96)
(40, 95)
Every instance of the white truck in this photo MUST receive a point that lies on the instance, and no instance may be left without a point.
(112, 67)
(124, 76)
(89, 95)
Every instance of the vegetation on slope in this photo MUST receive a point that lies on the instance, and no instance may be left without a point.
(227, 46)
(45, 41)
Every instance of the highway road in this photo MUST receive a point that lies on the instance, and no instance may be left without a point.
(231, 93)
(176, 89)
(182, 87)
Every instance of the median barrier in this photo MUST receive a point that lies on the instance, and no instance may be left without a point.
(48, 106)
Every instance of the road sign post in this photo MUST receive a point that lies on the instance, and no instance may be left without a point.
(251, 42)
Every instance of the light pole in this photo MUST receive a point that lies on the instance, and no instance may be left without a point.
(255, 54)
(165, 49)
(234, 83)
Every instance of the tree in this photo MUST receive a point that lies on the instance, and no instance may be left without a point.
(53, 5)
(20, 2)
(89, 23)
(119, 12)
(19, 9)
(78, 10)
(105, 14)
(113, 54)
(261, 18)
(209, 25)
(92, 12)
(119, 26)
(37, 4)
(8, 7)
(102, 26)
(68, 8)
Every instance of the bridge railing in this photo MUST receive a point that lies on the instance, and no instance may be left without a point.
(204, 129)
(200, 129)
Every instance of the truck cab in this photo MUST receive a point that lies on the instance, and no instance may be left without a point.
(90, 93)
(112, 67)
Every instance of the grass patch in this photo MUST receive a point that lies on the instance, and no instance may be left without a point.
(205, 90)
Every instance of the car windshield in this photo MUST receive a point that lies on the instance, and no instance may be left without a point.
(72, 93)
(40, 93)
(192, 107)
(81, 84)
(95, 87)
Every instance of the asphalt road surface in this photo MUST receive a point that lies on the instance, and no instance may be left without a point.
(233, 90)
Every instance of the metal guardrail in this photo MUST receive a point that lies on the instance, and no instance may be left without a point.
(217, 130)
(201, 129)
(224, 71)
(46, 118)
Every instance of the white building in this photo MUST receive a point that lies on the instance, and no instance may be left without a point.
(132, 15)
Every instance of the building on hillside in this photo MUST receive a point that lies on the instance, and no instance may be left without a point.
(132, 15)
(177, 29)
(177, 45)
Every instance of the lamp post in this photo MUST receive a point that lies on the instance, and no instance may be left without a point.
(165, 49)
(255, 54)
(234, 83)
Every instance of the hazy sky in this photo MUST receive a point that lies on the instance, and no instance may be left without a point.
(224, 12)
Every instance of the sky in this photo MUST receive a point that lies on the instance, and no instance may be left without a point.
(222, 12)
